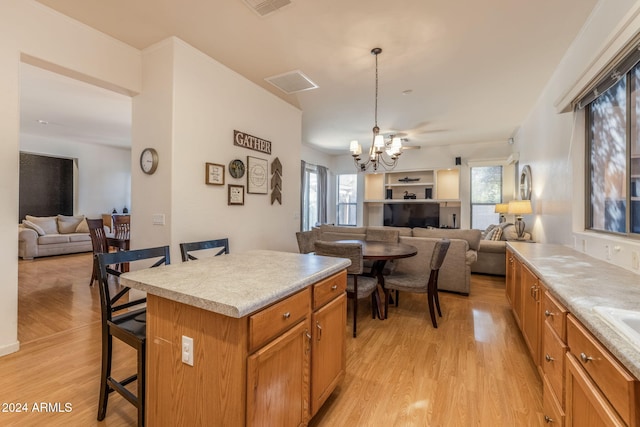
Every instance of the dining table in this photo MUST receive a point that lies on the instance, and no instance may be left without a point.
(380, 252)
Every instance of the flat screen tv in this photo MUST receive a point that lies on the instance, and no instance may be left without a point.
(412, 214)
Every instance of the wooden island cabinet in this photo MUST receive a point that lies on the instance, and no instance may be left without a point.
(274, 365)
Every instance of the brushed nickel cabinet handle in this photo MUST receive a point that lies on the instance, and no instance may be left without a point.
(548, 419)
(334, 287)
(286, 315)
(319, 330)
(585, 358)
(547, 313)
(548, 358)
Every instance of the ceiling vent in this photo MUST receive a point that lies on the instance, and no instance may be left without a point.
(266, 7)
(292, 82)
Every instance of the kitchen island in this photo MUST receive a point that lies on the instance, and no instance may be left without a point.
(268, 331)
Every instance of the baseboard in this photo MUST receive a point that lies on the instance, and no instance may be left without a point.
(9, 348)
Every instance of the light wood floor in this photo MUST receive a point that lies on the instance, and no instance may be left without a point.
(473, 370)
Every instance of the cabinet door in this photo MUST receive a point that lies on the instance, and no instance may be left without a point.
(278, 380)
(586, 406)
(517, 291)
(328, 350)
(530, 313)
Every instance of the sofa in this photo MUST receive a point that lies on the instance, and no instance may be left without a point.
(493, 247)
(455, 273)
(53, 235)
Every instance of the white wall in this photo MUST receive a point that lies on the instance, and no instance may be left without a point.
(104, 173)
(553, 143)
(29, 29)
(197, 103)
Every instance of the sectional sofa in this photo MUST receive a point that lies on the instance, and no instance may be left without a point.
(455, 274)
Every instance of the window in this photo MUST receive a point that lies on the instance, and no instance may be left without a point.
(486, 192)
(613, 147)
(347, 199)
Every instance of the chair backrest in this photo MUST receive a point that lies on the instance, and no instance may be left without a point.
(222, 246)
(306, 240)
(98, 236)
(352, 251)
(109, 304)
(122, 226)
(439, 253)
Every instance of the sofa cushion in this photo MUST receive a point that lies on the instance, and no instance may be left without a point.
(471, 236)
(79, 237)
(50, 239)
(494, 234)
(68, 224)
(332, 233)
(49, 224)
(83, 227)
(34, 227)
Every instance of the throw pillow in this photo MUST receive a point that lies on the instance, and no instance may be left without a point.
(48, 223)
(68, 224)
(494, 234)
(83, 227)
(35, 227)
(509, 232)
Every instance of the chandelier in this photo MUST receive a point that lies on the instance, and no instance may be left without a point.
(381, 153)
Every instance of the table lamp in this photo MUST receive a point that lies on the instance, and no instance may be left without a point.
(502, 208)
(519, 208)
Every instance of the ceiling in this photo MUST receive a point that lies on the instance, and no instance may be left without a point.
(449, 73)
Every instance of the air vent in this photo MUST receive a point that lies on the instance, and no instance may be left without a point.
(265, 7)
(292, 82)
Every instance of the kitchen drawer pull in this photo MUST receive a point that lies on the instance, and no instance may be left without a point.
(319, 330)
(548, 358)
(547, 313)
(585, 358)
(334, 287)
(286, 315)
(548, 419)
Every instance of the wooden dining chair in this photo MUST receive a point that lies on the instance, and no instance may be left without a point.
(122, 227)
(98, 242)
(423, 280)
(358, 286)
(119, 320)
(219, 246)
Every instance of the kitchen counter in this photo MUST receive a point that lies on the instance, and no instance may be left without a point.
(581, 282)
(237, 284)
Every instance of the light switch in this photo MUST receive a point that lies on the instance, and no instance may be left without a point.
(158, 219)
(187, 350)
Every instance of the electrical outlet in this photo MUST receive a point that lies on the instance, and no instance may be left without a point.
(187, 350)
(584, 245)
(635, 260)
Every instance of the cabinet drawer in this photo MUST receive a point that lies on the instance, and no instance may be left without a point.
(270, 322)
(555, 315)
(553, 414)
(553, 361)
(328, 289)
(619, 386)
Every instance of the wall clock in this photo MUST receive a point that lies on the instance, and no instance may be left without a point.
(149, 160)
(236, 168)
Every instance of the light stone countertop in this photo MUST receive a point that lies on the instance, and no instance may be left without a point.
(581, 282)
(236, 284)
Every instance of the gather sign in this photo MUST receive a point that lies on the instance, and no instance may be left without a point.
(251, 142)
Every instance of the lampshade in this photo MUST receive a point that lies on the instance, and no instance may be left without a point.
(502, 208)
(519, 207)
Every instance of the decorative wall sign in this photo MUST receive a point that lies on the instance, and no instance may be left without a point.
(257, 175)
(214, 174)
(276, 181)
(236, 194)
(251, 142)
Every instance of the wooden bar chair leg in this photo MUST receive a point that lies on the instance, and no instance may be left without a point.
(107, 348)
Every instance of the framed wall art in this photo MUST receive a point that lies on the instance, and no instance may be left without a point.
(236, 194)
(257, 175)
(214, 174)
